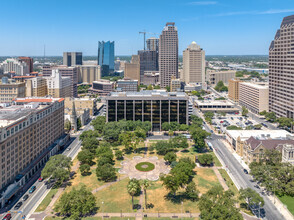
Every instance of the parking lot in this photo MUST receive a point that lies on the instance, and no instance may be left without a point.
(222, 122)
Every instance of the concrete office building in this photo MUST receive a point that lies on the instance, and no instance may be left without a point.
(58, 86)
(152, 43)
(15, 66)
(102, 87)
(194, 64)
(65, 71)
(10, 90)
(254, 96)
(82, 103)
(213, 77)
(233, 89)
(132, 70)
(151, 78)
(149, 105)
(36, 87)
(72, 58)
(148, 61)
(281, 71)
(89, 73)
(29, 131)
(29, 61)
(106, 57)
(127, 85)
(176, 85)
(168, 54)
(216, 106)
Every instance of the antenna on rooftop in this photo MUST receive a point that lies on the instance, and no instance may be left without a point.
(44, 53)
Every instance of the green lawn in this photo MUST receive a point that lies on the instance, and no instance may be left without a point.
(229, 182)
(91, 218)
(288, 201)
(46, 201)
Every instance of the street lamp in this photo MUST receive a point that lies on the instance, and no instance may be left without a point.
(102, 209)
(182, 210)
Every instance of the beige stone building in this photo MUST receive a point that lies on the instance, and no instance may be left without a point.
(233, 89)
(58, 86)
(89, 73)
(213, 77)
(36, 87)
(281, 71)
(176, 85)
(254, 96)
(82, 103)
(168, 54)
(194, 64)
(28, 129)
(10, 90)
(102, 87)
(132, 70)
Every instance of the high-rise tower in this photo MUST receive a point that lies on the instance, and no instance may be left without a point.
(168, 54)
(72, 58)
(194, 64)
(106, 57)
(281, 71)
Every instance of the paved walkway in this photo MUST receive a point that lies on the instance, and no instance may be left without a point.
(220, 178)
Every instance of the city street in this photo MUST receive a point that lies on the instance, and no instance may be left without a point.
(242, 179)
(41, 189)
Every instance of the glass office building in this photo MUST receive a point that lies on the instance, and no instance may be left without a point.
(106, 57)
(154, 106)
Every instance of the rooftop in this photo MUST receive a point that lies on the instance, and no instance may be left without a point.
(214, 102)
(267, 142)
(256, 85)
(246, 134)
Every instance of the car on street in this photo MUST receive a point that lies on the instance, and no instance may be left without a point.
(33, 188)
(245, 171)
(68, 149)
(26, 196)
(7, 217)
(18, 205)
(263, 124)
(40, 179)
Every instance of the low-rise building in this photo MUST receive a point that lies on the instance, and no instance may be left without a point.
(254, 96)
(193, 87)
(233, 89)
(10, 89)
(254, 148)
(36, 86)
(29, 130)
(176, 85)
(82, 103)
(236, 138)
(58, 86)
(127, 85)
(151, 78)
(216, 106)
(154, 106)
(213, 77)
(102, 87)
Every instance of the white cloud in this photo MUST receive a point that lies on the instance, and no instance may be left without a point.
(203, 3)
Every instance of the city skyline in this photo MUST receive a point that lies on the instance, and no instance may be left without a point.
(223, 27)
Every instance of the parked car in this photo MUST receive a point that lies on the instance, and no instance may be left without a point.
(40, 179)
(18, 205)
(263, 124)
(26, 196)
(33, 188)
(7, 217)
(245, 171)
(68, 149)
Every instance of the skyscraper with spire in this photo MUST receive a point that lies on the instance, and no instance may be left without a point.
(73, 117)
(168, 54)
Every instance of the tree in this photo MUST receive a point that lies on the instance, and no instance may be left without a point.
(133, 188)
(165, 126)
(263, 112)
(85, 169)
(90, 144)
(285, 122)
(218, 204)
(57, 168)
(234, 127)
(67, 125)
(196, 121)
(98, 123)
(184, 127)
(220, 87)
(170, 157)
(239, 74)
(119, 155)
(244, 111)
(257, 127)
(106, 172)
(163, 147)
(167, 88)
(79, 123)
(179, 141)
(76, 203)
(270, 116)
(150, 87)
(146, 184)
(129, 140)
(251, 197)
(199, 135)
(172, 184)
(192, 192)
(86, 157)
(205, 159)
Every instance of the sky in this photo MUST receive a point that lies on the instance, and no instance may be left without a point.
(220, 27)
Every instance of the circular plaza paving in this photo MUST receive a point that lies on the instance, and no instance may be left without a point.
(129, 168)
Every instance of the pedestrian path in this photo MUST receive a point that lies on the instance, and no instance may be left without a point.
(220, 179)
